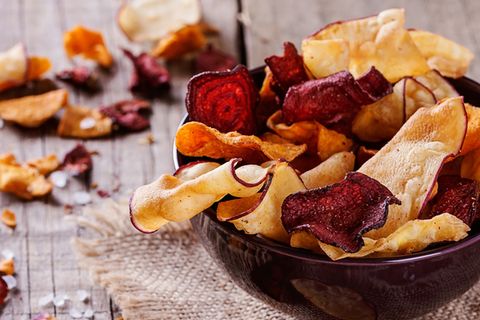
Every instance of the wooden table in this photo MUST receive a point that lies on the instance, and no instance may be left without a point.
(44, 259)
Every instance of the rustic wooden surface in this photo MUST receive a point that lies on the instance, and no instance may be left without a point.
(44, 259)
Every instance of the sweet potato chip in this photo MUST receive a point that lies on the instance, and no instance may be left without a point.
(129, 115)
(380, 41)
(260, 214)
(408, 164)
(37, 66)
(150, 20)
(457, 196)
(335, 100)
(332, 170)
(287, 70)
(89, 44)
(223, 100)
(45, 165)
(7, 267)
(269, 101)
(181, 42)
(470, 166)
(33, 111)
(212, 59)
(172, 199)
(13, 67)
(80, 77)
(9, 218)
(83, 122)
(23, 181)
(340, 213)
(317, 56)
(78, 160)
(449, 58)
(195, 139)
(472, 140)
(413, 236)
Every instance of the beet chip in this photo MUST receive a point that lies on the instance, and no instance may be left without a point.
(149, 78)
(213, 59)
(78, 160)
(129, 115)
(334, 100)
(223, 100)
(80, 77)
(340, 213)
(457, 196)
(287, 70)
(3, 291)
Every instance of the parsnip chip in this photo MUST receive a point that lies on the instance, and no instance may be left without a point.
(470, 167)
(439, 86)
(13, 67)
(37, 66)
(261, 213)
(409, 163)
(88, 43)
(380, 41)
(198, 140)
(181, 42)
(172, 199)
(9, 218)
(23, 181)
(147, 20)
(329, 171)
(472, 139)
(33, 111)
(411, 237)
(83, 122)
(305, 240)
(448, 57)
(45, 165)
(317, 56)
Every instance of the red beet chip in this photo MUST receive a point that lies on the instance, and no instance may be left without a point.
(3, 291)
(288, 70)
(212, 59)
(340, 213)
(80, 77)
(78, 160)
(130, 115)
(149, 78)
(334, 100)
(224, 100)
(103, 193)
(457, 196)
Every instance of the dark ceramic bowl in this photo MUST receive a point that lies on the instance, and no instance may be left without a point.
(310, 286)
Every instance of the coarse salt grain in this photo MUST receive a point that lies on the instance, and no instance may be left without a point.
(87, 123)
(88, 313)
(8, 254)
(60, 299)
(82, 295)
(75, 313)
(10, 281)
(82, 198)
(59, 179)
(45, 300)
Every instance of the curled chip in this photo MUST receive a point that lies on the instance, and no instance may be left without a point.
(83, 122)
(287, 70)
(470, 166)
(317, 56)
(439, 86)
(269, 102)
(78, 160)
(340, 213)
(150, 20)
(260, 213)
(449, 58)
(409, 163)
(457, 196)
(89, 44)
(174, 199)
(33, 111)
(9, 218)
(213, 59)
(381, 120)
(195, 139)
(80, 77)
(130, 115)
(329, 171)
(45, 165)
(223, 100)
(335, 100)
(413, 236)
(472, 140)
(148, 77)
(181, 42)
(23, 181)
(380, 41)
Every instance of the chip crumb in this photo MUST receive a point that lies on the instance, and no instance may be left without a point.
(148, 139)
(68, 208)
(9, 218)
(94, 185)
(7, 267)
(103, 193)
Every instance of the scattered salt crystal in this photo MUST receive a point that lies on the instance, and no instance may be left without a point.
(82, 295)
(7, 254)
(60, 299)
(45, 300)
(2, 123)
(88, 313)
(82, 198)
(10, 281)
(87, 123)
(59, 179)
(75, 313)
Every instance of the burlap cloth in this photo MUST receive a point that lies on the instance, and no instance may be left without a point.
(168, 275)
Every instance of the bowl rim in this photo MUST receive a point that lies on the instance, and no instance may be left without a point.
(308, 256)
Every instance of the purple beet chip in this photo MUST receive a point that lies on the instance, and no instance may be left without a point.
(129, 115)
(78, 160)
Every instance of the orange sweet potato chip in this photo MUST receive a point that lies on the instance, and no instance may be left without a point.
(198, 140)
(23, 181)
(470, 165)
(472, 139)
(37, 66)
(45, 165)
(186, 40)
(84, 122)
(87, 43)
(33, 111)
(9, 218)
